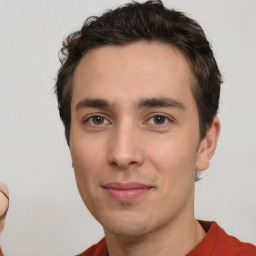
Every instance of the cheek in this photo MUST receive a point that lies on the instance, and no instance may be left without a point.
(85, 151)
(177, 170)
(87, 166)
(173, 155)
(175, 163)
(87, 162)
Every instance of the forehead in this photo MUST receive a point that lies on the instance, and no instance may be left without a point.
(147, 68)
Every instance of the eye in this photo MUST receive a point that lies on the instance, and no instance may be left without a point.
(158, 120)
(96, 120)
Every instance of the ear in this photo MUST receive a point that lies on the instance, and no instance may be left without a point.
(208, 145)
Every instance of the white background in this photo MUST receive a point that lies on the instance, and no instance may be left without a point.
(47, 216)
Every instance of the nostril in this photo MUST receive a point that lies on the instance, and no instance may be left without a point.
(122, 165)
(133, 163)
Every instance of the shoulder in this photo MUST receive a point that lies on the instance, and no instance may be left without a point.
(247, 250)
(217, 242)
(231, 245)
(99, 249)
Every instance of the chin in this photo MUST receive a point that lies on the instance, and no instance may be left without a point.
(127, 230)
(127, 225)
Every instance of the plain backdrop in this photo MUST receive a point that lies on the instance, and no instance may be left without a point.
(47, 216)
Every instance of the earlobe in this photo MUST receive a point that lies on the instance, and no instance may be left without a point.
(208, 146)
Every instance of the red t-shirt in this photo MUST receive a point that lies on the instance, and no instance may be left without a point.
(216, 243)
(1, 253)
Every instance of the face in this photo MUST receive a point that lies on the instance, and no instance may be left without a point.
(134, 137)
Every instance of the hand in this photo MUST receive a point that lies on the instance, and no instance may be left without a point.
(4, 204)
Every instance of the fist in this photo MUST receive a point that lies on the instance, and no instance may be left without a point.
(4, 204)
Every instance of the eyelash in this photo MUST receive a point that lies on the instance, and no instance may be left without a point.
(90, 120)
(166, 120)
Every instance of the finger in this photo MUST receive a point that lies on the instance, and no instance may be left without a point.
(3, 216)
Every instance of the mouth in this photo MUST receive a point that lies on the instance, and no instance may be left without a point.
(126, 191)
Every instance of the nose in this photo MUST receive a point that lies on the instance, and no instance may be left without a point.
(125, 148)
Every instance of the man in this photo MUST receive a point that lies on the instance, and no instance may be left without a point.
(138, 94)
(4, 205)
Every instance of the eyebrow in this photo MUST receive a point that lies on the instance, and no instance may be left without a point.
(160, 102)
(93, 103)
(148, 102)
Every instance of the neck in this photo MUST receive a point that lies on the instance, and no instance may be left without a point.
(173, 240)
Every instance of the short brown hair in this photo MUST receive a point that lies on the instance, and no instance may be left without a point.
(149, 21)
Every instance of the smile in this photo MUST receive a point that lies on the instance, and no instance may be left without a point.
(126, 191)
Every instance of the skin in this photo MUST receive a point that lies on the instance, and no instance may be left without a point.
(4, 202)
(132, 140)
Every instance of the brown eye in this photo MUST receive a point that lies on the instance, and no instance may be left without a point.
(159, 119)
(98, 120)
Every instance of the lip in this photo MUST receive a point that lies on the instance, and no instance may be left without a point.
(126, 191)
